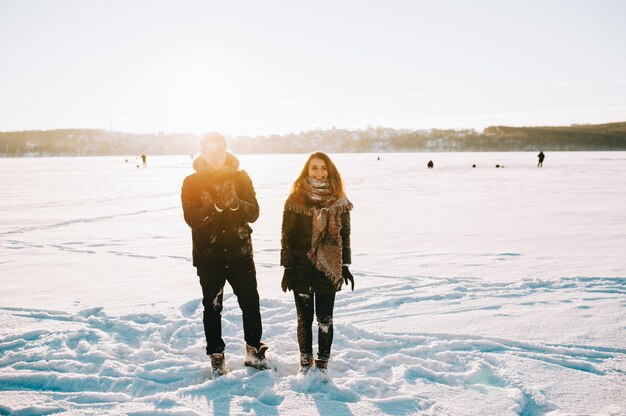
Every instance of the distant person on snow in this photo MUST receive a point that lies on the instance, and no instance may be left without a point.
(541, 156)
(315, 252)
(143, 160)
(430, 164)
(218, 202)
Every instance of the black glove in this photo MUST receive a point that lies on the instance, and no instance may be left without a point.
(347, 276)
(228, 195)
(288, 276)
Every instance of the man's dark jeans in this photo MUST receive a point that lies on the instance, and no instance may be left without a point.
(242, 278)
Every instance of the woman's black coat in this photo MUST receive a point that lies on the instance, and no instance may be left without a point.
(296, 243)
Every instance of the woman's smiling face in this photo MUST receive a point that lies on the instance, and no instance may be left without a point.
(317, 169)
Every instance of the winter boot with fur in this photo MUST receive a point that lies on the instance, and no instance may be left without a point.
(255, 357)
(306, 362)
(322, 364)
(218, 363)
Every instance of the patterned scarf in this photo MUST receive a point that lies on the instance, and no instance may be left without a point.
(317, 200)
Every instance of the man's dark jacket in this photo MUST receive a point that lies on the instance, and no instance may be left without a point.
(219, 237)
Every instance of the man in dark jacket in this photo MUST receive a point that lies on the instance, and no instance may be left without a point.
(218, 203)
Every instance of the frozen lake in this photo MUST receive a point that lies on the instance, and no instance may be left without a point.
(478, 290)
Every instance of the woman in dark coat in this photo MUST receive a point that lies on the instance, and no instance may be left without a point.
(316, 252)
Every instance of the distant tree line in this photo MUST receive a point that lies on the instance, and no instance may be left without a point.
(85, 142)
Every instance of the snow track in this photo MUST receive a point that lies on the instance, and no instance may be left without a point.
(91, 362)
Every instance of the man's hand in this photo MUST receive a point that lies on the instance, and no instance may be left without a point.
(206, 198)
(228, 195)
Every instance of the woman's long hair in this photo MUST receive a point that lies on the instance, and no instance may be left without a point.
(336, 181)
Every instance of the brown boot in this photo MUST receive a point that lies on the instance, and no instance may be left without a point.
(218, 363)
(322, 364)
(255, 357)
(306, 362)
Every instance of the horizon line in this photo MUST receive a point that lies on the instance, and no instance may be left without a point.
(314, 129)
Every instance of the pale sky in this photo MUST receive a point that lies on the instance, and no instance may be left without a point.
(261, 67)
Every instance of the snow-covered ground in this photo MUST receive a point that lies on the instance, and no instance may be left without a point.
(479, 291)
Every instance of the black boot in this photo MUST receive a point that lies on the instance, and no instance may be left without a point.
(306, 362)
(255, 357)
(218, 363)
